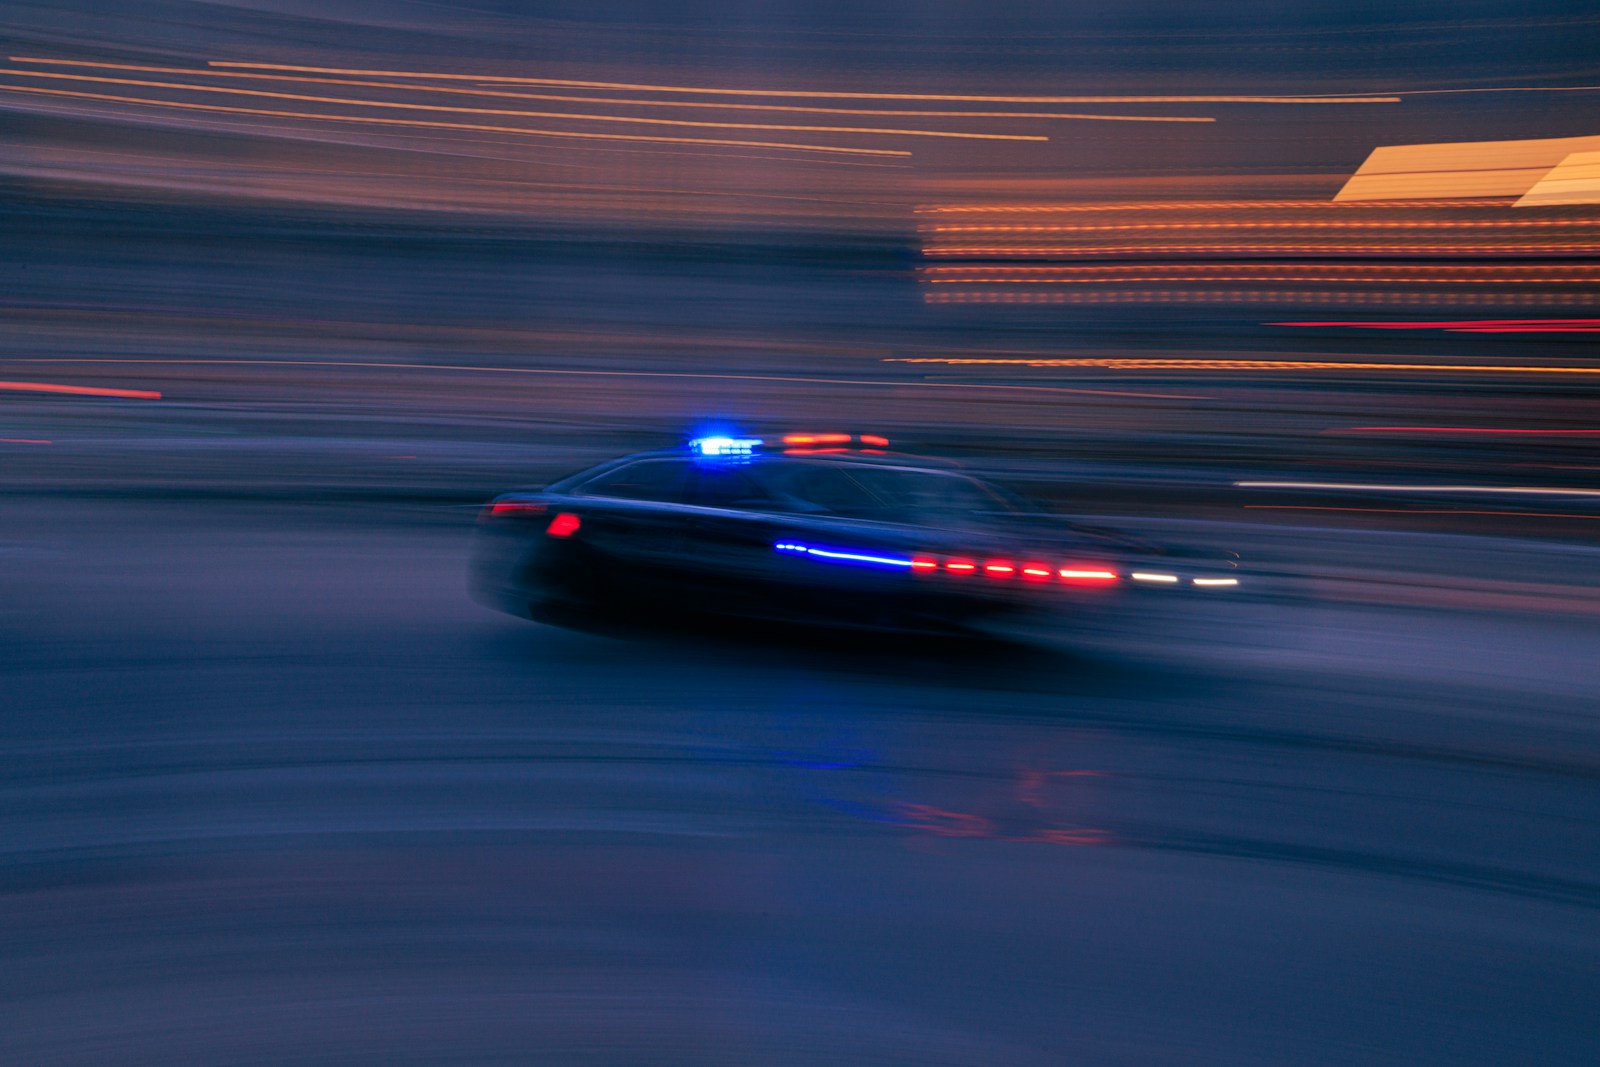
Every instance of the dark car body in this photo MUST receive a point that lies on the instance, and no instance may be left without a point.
(840, 538)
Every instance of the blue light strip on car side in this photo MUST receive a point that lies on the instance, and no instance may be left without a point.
(833, 555)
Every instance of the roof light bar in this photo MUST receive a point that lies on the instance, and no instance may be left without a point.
(725, 446)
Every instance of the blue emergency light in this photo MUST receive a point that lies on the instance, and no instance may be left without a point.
(724, 446)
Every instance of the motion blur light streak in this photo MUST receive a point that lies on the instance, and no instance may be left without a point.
(1463, 430)
(79, 390)
(1524, 490)
(428, 124)
(1505, 325)
(566, 372)
(1078, 575)
(1239, 364)
(1147, 576)
(504, 112)
(721, 105)
(817, 94)
(1423, 511)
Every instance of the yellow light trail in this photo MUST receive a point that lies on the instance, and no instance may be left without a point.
(558, 372)
(505, 112)
(719, 106)
(427, 124)
(816, 94)
(1236, 364)
(1275, 224)
(1035, 207)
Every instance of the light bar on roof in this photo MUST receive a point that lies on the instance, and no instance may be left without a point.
(724, 446)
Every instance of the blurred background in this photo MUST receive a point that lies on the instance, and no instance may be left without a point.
(288, 289)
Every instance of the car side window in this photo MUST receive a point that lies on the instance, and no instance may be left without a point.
(717, 486)
(660, 480)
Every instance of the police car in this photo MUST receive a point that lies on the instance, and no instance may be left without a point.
(818, 528)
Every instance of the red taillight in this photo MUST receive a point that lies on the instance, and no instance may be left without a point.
(563, 525)
(999, 568)
(961, 566)
(923, 565)
(1036, 572)
(874, 439)
(514, 507)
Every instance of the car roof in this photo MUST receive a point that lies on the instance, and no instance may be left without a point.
(857, 457)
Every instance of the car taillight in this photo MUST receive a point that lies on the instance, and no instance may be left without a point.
(563, 525)
(511, 508)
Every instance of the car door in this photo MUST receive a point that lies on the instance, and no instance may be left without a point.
(729, 531)
(632, 526)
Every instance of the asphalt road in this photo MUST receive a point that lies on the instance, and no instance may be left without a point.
(275, 790)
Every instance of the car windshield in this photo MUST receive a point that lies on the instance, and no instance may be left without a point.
(889, 494)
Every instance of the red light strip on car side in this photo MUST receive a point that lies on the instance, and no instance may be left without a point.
(1086, 574)
(1032, 571)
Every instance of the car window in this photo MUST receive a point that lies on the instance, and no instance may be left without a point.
(718, 486)
(892, 494)
(662, 480)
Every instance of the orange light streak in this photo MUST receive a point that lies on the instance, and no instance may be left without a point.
(632, 102)
(563, 372)
(1407, 274)
(430, 124)
(507, 112)
(78, 390)
(23, 441)
(815, 94)
(1037, 207)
